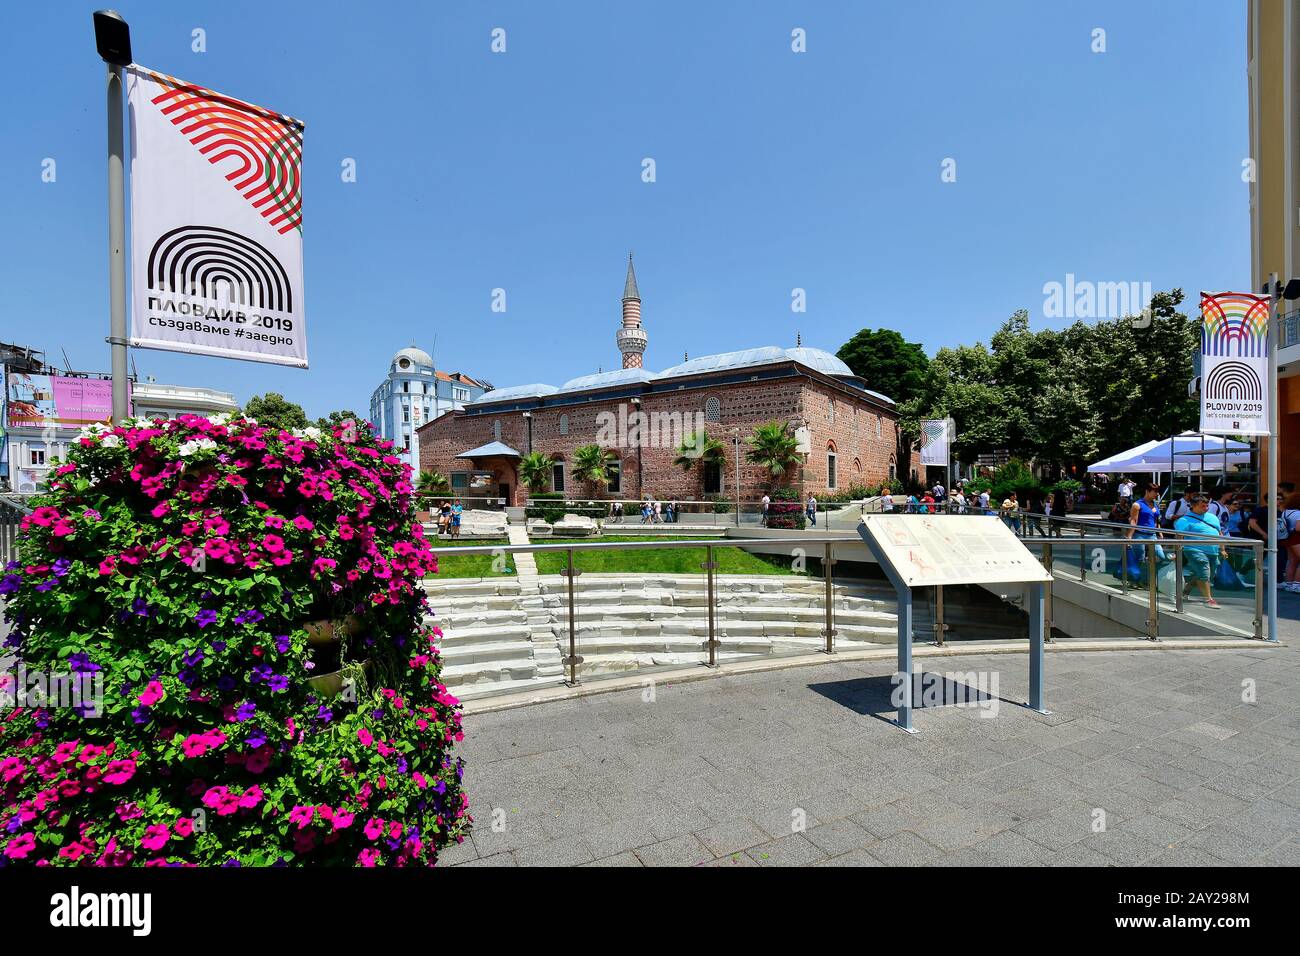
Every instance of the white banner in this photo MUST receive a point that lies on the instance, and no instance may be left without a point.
(1235, 388)
(216, 224)
(936, 436)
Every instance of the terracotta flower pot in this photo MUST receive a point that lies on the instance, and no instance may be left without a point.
(331, 685)
(323, 633)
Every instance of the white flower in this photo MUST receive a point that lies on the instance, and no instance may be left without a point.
(94, 430)
(111, 441)
(311, 432)
(190, 447)
(219, 419)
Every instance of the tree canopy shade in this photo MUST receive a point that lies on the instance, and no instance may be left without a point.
(1064, 396)
(889, 364)
(591, 465)
(275, 411)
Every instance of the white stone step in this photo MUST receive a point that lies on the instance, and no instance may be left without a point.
(481, 651)
(477, 617)
(485, 688)
(462, 675)
(462, 636)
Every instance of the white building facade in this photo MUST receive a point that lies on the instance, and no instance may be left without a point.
(415, 393)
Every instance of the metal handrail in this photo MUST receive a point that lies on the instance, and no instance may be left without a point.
(1169, 539)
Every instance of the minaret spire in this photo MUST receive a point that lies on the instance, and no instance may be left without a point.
(631, 338)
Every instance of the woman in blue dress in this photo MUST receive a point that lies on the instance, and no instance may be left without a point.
(1144, 520)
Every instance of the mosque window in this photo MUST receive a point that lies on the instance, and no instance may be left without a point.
(712, 409)
(564, 430)
(877, 426)
(496, 430)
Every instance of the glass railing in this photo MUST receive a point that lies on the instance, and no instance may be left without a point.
(617, 608)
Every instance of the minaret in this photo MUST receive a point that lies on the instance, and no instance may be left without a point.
(631, 337)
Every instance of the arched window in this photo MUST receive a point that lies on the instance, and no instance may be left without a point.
(496, 430)
(712, 409)
(857, 466)
(564, 424)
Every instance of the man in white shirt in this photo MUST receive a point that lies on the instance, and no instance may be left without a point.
(984, 499)
(766, 501)
(1126, 488)
(1179, 506)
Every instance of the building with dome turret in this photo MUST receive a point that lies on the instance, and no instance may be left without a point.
(416, 392)
(847, 432)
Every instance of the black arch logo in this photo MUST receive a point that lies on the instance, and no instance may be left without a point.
(196, 260)
(1234, 381)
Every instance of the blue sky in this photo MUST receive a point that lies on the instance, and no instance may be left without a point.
(775, 171)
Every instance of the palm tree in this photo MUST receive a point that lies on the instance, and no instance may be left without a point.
(773, 448)
(430, 483)
(591, 465)
(710, 452)
(535, 470)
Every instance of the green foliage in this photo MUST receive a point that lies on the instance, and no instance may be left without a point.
(887, 362)
(274, 411)
(1063, 397)
(773, 447)
(700, 447)
(591, 466)
(535, 470)
(429, 483)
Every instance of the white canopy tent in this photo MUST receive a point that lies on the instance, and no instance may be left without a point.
(1188, 452)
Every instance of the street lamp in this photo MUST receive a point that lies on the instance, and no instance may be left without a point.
(113, 41)
(735, 436)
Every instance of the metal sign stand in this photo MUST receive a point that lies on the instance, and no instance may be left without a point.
(905, 674)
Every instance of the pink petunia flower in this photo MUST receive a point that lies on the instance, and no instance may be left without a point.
(152, 693)
(156, 836)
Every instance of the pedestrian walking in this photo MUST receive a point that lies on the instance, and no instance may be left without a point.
(812, 510)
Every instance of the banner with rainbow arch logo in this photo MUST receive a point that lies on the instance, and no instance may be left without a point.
(1235, 388)
(936, 437)
(216, 224)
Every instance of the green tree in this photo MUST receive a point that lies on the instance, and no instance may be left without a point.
(429, 483)
(275, 411)
(773, 447)
(591, 466)
(337, 418)
(535, 470)
(887, 362)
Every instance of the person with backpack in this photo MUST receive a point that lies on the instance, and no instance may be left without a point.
(1201, 561)
(1288, 520)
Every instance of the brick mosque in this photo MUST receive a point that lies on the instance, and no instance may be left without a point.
(848, 433)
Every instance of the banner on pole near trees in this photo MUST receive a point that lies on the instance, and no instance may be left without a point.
(1235, 390)
(216, 224)
(936, 441)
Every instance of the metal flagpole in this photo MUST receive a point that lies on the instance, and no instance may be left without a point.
(1275, 291)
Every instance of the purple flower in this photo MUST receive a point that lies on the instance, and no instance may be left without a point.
(140, 607)
(441, 786)
(225, 682)
(324, 714)
(9, 584)
(205, 617)
(218, 646)
(191, 658)
(245, 711)
(278, 682)
(256, 739)
(46, 585)
(187, 678)
(282, 643)
(81, 664)
(140, 715)
(12, 566)
(261, 672)
(251, 616)
(61, 567)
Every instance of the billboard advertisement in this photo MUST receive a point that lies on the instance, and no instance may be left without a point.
(41, 401)
(936, 437)
(216, 224)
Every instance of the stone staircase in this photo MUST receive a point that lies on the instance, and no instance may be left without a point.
(511, 633)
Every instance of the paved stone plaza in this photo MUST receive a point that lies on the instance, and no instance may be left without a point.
(722, 772)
